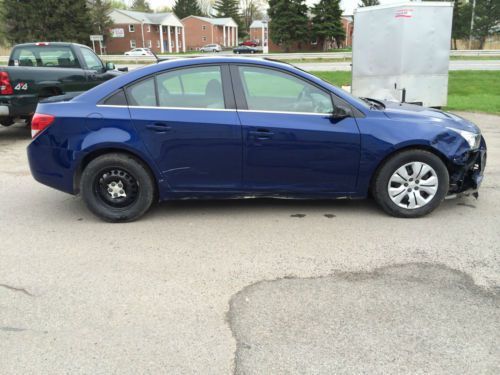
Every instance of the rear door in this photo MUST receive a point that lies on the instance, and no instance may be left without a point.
(291, 142)
(187, 119)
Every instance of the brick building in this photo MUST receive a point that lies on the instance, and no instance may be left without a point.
(203, 30)
(256, 34)
(161, 32)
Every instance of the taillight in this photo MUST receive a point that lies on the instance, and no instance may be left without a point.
(5, 86)
(40, 122)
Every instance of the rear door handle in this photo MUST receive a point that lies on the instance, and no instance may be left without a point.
(261, 133)
(159, 127)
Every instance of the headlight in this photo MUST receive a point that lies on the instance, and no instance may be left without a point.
(473, 139)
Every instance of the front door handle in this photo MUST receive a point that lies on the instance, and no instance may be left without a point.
(159, 127)
(261, 133)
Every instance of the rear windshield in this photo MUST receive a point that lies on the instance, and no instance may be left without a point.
(44, 56)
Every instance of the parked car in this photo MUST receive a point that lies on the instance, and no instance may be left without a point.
(139, 52)
(211, 48)
(249, 43)
(240, 127)
(245, 49)
(39, 70)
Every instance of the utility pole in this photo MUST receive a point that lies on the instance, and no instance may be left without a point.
(472, 23)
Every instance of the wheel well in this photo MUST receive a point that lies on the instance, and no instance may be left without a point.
(49, 91)
(91, 156)
(399, 150)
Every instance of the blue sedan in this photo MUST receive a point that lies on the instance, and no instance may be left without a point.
(238, 127)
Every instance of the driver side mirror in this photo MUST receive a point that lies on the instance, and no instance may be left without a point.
(339, 113)
(110, 66)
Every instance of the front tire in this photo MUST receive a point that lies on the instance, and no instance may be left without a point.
(117, 187)
(6, 121)
(411, 184)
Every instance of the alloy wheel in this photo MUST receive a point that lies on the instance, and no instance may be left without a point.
(413, 185)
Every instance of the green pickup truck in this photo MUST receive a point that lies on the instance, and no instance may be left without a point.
(40, 70)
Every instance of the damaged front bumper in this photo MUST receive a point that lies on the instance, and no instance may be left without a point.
(467, 172)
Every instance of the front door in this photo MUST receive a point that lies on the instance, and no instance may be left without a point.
(95, 71)
(190, 127)
(291, 142)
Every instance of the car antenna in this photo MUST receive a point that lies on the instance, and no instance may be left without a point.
(156, 56)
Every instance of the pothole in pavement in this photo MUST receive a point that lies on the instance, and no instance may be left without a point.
(413, 318)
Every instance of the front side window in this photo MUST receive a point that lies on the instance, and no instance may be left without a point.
(131, 28)
(142, 93)
(132, 43)
(271, 90)
(198, 87)
(91, 60)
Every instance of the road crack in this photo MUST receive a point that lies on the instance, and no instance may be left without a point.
(15, 289)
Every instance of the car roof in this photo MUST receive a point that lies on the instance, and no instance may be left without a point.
(107, 88)
(57, 44)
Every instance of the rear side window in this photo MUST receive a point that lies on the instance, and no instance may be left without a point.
(142, 93)
(198, 87)
(118, 98)
(44, 56)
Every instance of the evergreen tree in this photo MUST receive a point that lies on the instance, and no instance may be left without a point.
(289, 22)
(141, 6)
(229, 8)
(99, 15)
(52, 20)
(184, 8)
(327, 23)
(368, 3)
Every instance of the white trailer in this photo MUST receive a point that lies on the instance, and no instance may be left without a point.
(401, 52)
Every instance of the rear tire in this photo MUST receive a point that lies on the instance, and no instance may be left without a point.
(411, 184)
(117, 187)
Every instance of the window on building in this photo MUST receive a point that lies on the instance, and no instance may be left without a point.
(204, 27)
(271, 90)
(204, 38)
(148, 28)
(158, 45)
(149, 44)
(131, 28)
(199, 87)
(132, 43)
(179, 29)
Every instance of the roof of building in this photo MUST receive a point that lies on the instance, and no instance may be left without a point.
(228, 21)
(257, 24)
(167, 18)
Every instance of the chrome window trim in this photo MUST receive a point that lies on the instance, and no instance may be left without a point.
(286, 112)
(171, 108)
(212, 109)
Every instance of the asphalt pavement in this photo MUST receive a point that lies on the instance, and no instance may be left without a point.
(247, 287)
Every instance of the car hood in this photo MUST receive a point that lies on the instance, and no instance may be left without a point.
(395, 110)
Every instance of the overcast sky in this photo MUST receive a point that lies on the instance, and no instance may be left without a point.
(347, 5)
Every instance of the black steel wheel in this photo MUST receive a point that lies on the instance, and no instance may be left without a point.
(117, 187)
